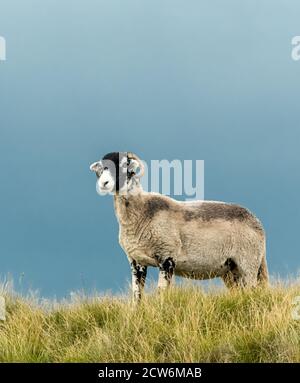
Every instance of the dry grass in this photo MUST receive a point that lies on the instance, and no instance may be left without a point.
(184, 324)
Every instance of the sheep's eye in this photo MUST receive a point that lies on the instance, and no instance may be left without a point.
(105, 168)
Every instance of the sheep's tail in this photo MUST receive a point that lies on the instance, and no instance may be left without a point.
(263, 274)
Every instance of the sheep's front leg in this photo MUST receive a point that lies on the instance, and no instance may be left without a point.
(139, 274)
(166, 272)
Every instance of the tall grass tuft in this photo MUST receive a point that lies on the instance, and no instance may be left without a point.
(184, 324)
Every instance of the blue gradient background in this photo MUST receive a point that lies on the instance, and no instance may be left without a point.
(210, 80)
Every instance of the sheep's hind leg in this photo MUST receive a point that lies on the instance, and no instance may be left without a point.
(232, 277)
(231, 280)
(166, 273)
(236, 276)
(139, 274)
(249, 280)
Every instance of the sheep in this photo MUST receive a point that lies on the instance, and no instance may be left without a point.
(192, 239)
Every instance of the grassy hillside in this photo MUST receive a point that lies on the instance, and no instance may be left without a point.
(182, 325)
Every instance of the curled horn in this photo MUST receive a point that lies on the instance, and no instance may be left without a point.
(132, 156)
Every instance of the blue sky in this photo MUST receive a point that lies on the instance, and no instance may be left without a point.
(211, 80)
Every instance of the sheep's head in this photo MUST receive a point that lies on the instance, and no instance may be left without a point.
(117, 172)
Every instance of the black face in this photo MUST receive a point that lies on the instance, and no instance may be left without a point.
(117, 164)
(115, 172)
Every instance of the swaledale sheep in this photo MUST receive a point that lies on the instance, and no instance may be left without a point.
(200, 240)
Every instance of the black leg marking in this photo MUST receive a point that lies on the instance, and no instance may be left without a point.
(139, 274)
(232, 275)
(166, 269)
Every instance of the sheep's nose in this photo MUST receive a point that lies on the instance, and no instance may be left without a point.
(105, 183)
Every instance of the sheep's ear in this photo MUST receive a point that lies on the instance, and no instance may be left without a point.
(96, 166)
